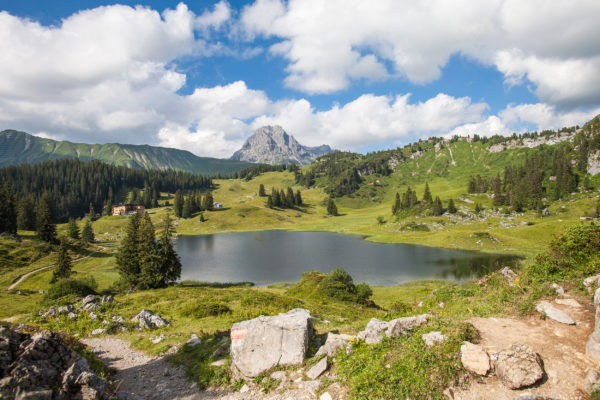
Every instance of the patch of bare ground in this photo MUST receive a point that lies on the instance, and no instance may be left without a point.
(561, 348)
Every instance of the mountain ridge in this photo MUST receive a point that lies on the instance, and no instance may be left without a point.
(271, 144)
(18, 147)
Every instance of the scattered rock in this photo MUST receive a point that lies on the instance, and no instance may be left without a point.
(262, 343)
(219, 363)
(158, 339)
(117, 319)
(554, 313)
(66, 309)
(72, 316)
(108, 299)
(20, 293)
(558, 289)
(52, 312)
(93, 316)
(97, 332)
(434, 337)
(310, 386)
(278, 375)
(333, 343)
(591, 282)
(91, 307)
(89, 299)
(147, 319)
(245, 389)
(194, 341)
(568, 302)
(533, 397)
(518, 366)
(375, 329)
(474, 358)
(509, 274)
(318, 369)
(325, 396)
(545, 212)
(592, 347)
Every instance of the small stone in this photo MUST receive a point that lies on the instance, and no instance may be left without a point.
(554, 313)
(332, 344)
(98, 331)
(89, 299)
(219, 363)
(310, 386)
(590, 282)
(72, 316)
(194, 341)
(325, 396)
(108, 299)
(568, 302)
(432, 338)
(318, 369)
(558, 289)
(245, 389)
(518, 366)
(20, 293)
(592, 382)
(474, 358)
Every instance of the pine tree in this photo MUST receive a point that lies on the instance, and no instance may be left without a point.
(8, 210)
(72, 229)
(298, 198)
(331, 207)
(397, 206)
(451, 207)
(168, 263)
(472, 187)
(46, 229)
(147, 253)
(108, 207)
(497, 188)
(261, 190)
(290, 198)
(478, 208)
(275, 197)
(427, 199)
(63, 263)
(207, 203)
(26, 218)
(187, 208)
(178, 204)
(438, 209)
(127, 260)
(92, 212)
(87, 233)
(270, 201)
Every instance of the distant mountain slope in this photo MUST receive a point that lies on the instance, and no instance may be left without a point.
(272, 145)
(20, 148)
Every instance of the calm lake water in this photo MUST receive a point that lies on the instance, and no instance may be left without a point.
(266, 257)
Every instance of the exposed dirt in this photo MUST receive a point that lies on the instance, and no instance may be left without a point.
(561, 348)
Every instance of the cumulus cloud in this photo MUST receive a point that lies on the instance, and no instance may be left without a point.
(328, 44)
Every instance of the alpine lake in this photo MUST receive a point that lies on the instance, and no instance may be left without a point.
(266, 257)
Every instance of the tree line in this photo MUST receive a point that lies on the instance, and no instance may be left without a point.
(409, 201)
(186, 206)
(282, 199)
(71, 185)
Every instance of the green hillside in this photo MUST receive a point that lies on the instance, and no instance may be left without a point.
(22, 148)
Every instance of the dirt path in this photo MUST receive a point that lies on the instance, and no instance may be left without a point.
(561, 347)
(146, 376)
(35, 271)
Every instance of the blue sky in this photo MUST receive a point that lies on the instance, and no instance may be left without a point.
(356, 75)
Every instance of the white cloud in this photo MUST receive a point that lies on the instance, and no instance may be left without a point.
(328, 44)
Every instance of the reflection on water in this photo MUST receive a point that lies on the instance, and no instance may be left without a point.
(277, 256)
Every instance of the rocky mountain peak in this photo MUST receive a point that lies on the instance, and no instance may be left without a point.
(273, 145)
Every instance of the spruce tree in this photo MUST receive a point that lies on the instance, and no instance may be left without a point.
(261, 190)
(46, 229)
(92, 212)
(108, 207)
(275, 197)
(168, 264)
(178, 204)
(87, 233)
(270, 201)
(207, 203)
(8, 210)
(127, 260)
(331, 207)
(427, 199)
(187, 208)
(147, 254)
(72, 229)
(63, 263)
(478, 208)
(26, 218)
(298, 198)
(451, 207)
(397, 206)
(438, 209)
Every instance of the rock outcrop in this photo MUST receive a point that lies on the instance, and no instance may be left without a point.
(272, 145)
(333, 343)
(42, 366)
(375, 329)
(262, 343)
(474, 358)
(592, 347)
(518, 366)
(147, 320)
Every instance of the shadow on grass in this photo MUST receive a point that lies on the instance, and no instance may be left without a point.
(219, 285)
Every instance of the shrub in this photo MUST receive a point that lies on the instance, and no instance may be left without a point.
(339, 285)
(72, 287)
(202, 310)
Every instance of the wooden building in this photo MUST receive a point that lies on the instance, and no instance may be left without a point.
(127, 209)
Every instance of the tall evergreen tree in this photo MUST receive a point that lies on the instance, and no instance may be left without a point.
(178, 204)
(92, 212)
(72, 229)
(270, 201)
(147, 253)
(397, 206)
(128, 263)
(497, 188)
(87, 233)
(298, 198)
(8, 210)
(46, 229)
(290, 199)
(451, 207)
(108, 207)
(26, 218)
(275, 197)
(261, 190)
(438, 209)
(63, 263)
(427, 199)
(331, 207)
(187, 207)
(208, 202)
(168, 263)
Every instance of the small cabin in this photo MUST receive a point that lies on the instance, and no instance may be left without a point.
(127, 209)
(217, 205)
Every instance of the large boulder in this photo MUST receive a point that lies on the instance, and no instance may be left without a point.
(333, 343)
(147, 320)
(518, 366)
(592, 347)
(474, 358)
(554, 313)
(262, 343)
(376, 329)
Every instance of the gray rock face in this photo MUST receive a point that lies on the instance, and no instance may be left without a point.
(518, 366)
(591, 282)
(262, 343)
(147, 320)
(332, 344)
(592, 347)
(509, 275)
(318, 369)
(272, 145)
(375, 329)
(89, 299)
(474, 358)
(554, 313)
(44, 367)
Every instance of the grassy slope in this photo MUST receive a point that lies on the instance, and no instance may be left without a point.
(20, 147)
